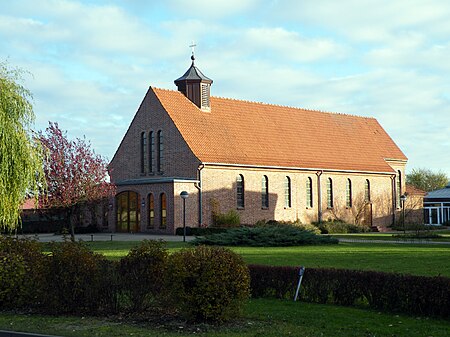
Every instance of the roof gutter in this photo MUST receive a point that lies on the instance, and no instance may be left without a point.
(319, 196)
(198, 185)
(296, 168)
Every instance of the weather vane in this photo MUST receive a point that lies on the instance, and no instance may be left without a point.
(193, 45)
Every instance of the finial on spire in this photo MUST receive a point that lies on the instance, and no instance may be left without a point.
(193, 45)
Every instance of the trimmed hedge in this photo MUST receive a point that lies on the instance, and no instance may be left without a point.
(200, 284)
(142, 274)
(418, 295)
(207, 283)
(267, 236)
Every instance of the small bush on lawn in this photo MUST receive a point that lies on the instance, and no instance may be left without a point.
(231, 219)
(20, 272)
(339, 227)
(269, 236)
(142, 273)
(418, 295)
(207, 283)
(297, 224)
(73, 274)
(420, 235)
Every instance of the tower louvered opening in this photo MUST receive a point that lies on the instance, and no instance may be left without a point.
(205, 96)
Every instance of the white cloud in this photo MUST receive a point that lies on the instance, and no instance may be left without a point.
(92, 63)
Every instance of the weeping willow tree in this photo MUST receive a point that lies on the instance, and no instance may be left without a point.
(21, 155)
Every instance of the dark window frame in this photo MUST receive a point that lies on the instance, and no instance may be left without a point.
(287, 192)
(265, 192)
(240, 192)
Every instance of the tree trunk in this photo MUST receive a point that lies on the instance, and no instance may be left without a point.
(71, 223)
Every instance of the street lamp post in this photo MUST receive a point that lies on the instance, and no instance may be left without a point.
(184, 195)
(403, 199)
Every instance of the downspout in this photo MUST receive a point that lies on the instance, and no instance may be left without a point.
(394, 196)
(198, 185)
(319, 196)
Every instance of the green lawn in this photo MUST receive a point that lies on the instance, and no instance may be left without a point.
(262, 317)
(428, 260)
(445, 237)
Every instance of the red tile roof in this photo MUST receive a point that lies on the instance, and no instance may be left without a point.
(249, 133)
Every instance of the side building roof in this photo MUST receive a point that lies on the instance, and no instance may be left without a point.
(443, 193)
(257, 134)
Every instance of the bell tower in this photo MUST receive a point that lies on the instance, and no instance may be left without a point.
(195, 86)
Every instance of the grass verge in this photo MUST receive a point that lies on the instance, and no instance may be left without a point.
(262, 317)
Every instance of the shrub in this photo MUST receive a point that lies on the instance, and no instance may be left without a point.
(72, 277)
(207, 283)
(22, 258)
(109, 287)
(268, 236)
(230, 219)
(200, 231)
(339, 227)
(297, 224)
(12, 275)
(418, 295)
(142, 273)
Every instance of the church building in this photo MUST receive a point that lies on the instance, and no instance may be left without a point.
(262, 160)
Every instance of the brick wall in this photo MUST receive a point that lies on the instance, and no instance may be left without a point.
(178, 159)
(219, 186)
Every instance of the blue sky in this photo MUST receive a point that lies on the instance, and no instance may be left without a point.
(92, 61)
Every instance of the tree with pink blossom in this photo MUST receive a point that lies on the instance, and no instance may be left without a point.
(75, 174)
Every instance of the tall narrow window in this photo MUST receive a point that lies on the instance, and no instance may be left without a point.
(399, 189)
(151, 148)
(265, 192)
(159, 158)
(367, 191)
(329, 193)
(348, 193)
(163, 213)
(309, 199)
(143, 151)
(151, 211)
(240, 191)
(287, 192)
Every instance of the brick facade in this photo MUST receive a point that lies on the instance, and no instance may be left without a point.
(214, 183)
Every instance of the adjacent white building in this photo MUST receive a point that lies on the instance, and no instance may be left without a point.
(437, 207)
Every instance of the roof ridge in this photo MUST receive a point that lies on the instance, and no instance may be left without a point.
(279, 105)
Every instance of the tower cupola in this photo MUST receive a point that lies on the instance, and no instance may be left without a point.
(195, 86)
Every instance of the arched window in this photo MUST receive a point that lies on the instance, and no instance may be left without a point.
(151, 211)
(160, 156)
(287, 192)
(163, 213)
(151, 147)
(348, 193)
(128, 212)
(399, 189)
(367, 191)
(265, 192)
(240, 191)
(309, 198)
(143, 151)
(329, 193)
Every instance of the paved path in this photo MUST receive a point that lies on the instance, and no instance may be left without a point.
(411, 241)
(107, 237)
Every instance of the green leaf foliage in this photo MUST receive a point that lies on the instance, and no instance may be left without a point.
(267, 236)
(427, 180)
(21, 155)
(207, 283)
(142, 273)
